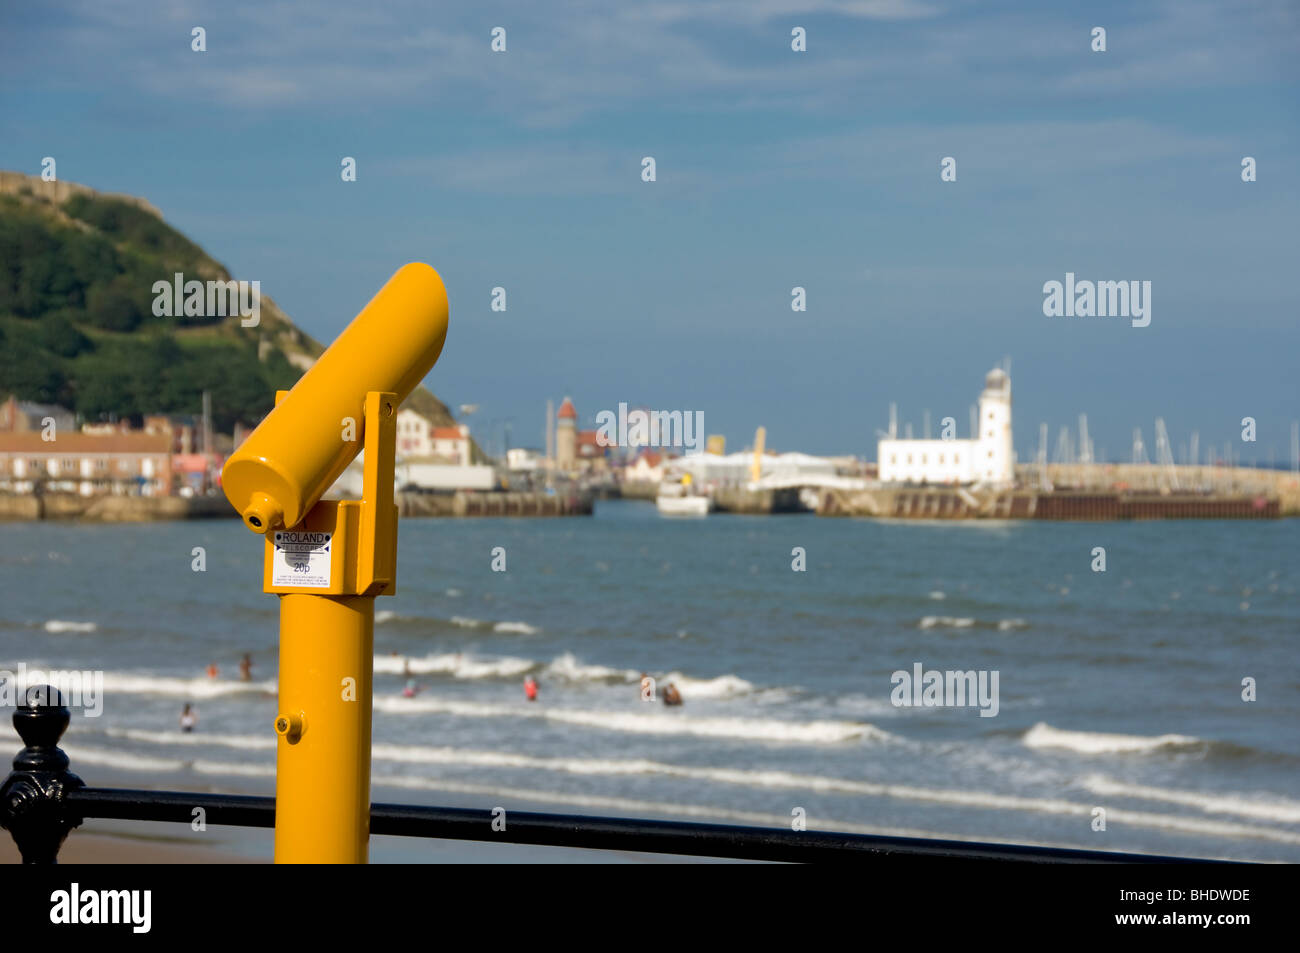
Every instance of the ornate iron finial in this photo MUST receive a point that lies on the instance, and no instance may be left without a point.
(32, 805)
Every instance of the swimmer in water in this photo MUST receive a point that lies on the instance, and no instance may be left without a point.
(411, 689)
(671, 695)
(530, 688)
(189, 718)
(246, 668)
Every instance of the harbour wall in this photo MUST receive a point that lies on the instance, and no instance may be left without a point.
(144, 509)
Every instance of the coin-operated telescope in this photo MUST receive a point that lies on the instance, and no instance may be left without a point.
(328, 560)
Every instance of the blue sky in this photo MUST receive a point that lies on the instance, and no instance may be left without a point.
(775, 169)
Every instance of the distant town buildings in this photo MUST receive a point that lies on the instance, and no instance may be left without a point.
(429, 458)
(20, 416)
(419, 440)
(648, 467)
(524, 459)
(988, 457)
(133, 463)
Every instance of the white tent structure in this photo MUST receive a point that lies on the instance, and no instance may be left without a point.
(733, 469)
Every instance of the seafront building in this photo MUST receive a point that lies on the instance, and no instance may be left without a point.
(133, 463)
(987, 457)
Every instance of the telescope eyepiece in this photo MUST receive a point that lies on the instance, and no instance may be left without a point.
(262, 513)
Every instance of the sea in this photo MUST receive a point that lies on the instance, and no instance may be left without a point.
(1151, 707)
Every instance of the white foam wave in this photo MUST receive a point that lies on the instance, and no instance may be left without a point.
(1006, 625)
(466, 622)
(651, 722)
(241, 742)
(984, 800)
(61, 625)
(520, 628)
(457, 664)
(1266, 808)
(1043, 735)
(945, 622)
(122, 760)
(1176, 823)
(721, 687)
(384, 615)
(202, 687)
(568, 667)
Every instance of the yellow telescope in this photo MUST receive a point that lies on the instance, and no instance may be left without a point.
(299, 450)
(328, 560)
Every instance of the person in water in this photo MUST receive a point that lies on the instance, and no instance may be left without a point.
(246, 668)
(213, 671)
(411, 689)
(189, 718)
(671, 695)
(530, 688)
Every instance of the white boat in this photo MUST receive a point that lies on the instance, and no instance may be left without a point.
(680, 499)
(684, 505)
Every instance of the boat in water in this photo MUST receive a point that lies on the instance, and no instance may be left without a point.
(682, 499)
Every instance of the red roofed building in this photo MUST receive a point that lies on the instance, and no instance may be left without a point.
(648, 468)
(418, 439)
(451, 443)
(132, 463)
(591, 452)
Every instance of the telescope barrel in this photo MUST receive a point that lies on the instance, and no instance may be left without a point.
(305, 442)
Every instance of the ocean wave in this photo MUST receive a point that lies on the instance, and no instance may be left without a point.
(1284, 811)
(192, 738)
(980, 800)
(384, 615)
(457, 664)
(945, 622)
(1259, 807)
(967, 622)
(568, 667)
(655, 722)
(466, 622)
(61, 625)
(519, 628)
(1043, 735)
(199, 687)
(724, 686)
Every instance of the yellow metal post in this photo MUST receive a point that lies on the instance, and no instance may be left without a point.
(322, 764)
(329, 560)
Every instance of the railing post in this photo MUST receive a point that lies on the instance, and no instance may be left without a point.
(32, 798)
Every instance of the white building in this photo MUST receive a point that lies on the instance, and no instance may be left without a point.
(524, 459)
(419, 440)
(735, 469)
(988, 457)
(414, 434)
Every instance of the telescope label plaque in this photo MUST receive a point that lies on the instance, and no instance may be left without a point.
(302, 558)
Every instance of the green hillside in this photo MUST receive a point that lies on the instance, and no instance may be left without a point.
(77, 327)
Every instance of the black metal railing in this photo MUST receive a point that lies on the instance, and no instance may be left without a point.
(42, 801)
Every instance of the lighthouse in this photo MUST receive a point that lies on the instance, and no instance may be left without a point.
(994, 458)
(987, 457)
(566, 436)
